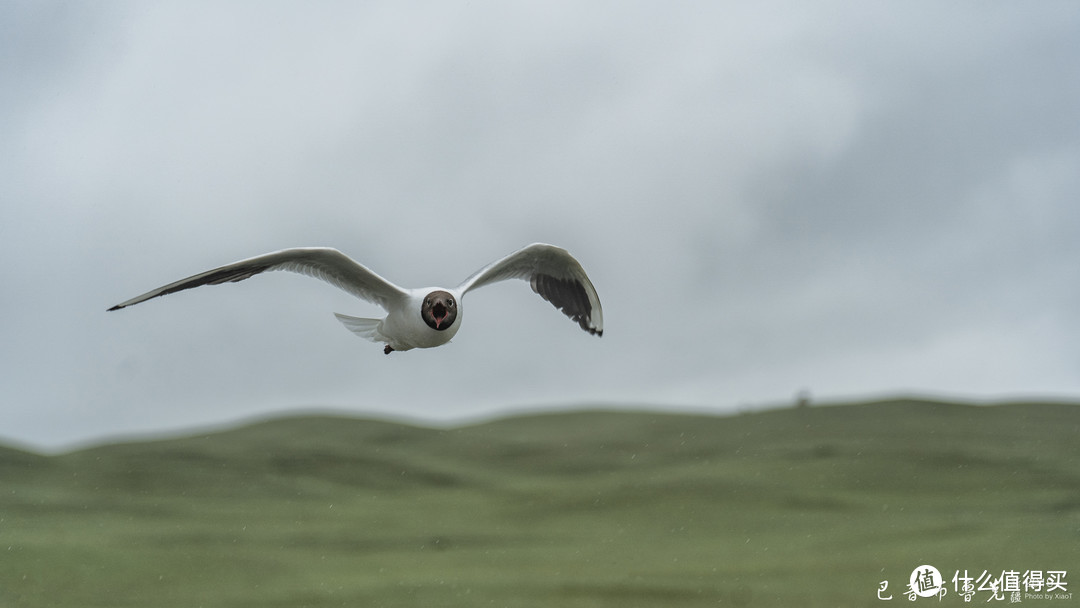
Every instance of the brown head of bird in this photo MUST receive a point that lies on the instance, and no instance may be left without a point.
(439, 310)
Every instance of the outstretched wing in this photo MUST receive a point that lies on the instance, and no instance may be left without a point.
(327, 264)
(555, 275)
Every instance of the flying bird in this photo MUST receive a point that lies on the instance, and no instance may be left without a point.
(416, 318)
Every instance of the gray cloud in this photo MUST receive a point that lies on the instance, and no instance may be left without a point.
(854, 200)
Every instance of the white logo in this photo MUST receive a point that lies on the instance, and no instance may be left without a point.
(926, 581)
(1016, 585)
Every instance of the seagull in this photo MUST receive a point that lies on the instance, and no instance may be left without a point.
(416, 318)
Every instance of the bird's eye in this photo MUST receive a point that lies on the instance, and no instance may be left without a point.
(450, 303)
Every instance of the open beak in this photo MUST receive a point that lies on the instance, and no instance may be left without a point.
(439, 312)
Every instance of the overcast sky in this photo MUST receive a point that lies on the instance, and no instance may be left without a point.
(855, 199)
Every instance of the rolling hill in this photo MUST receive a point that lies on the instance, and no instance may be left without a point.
(805, 506)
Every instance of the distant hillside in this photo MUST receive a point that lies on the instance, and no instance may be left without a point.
(369, 451)
(808, 506)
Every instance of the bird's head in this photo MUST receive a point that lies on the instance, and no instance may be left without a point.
(439, 310)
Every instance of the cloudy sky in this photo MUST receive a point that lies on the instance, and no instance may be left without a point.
(854, 199)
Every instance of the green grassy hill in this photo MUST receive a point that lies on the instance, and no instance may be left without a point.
(811, 507)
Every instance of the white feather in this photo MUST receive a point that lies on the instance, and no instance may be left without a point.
(552, 272)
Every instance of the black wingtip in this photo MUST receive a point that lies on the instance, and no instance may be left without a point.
(569, 296)
(117, 307)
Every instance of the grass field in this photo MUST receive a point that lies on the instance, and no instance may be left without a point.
(800, 507)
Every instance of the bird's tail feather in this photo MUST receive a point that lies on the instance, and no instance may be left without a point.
(365, 328)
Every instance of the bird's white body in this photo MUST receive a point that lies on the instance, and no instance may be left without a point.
(403, 328)
(417, 318)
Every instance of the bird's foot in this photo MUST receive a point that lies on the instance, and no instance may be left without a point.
(387, 349)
